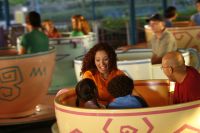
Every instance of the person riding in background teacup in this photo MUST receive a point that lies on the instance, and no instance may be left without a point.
(50, 30)
(80, 26)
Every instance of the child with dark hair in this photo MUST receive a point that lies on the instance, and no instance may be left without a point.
(170, 14)
(34, 40)
(87, 94)
(121, 88)
(195, 18)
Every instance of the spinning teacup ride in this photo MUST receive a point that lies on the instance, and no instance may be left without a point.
(158, 93)
(186, 36)
(160, 116)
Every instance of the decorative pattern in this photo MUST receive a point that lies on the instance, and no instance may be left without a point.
(38, 71)
(198, 36)
(180, 35)
(10, 78)
(188, 127)
(107, 125)
(76, 131)
(148, 123)
(128, 129)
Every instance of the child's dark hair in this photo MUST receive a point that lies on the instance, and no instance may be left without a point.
(34, 19)
(197, 1)
(120, 86)
(170, 12)
(86, 90)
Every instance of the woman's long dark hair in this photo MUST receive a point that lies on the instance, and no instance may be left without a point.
(89, 58)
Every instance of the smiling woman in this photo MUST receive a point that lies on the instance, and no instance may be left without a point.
(100, 65)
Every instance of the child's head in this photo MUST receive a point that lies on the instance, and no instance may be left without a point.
(120, 86)
(170, 13)
(198, 5)
(86, 90)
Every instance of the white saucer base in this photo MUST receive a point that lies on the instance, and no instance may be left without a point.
(42, 113)
(54, 128)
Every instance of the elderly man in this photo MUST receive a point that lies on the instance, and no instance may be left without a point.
(162, 41)
(35, 40)
(186, 78)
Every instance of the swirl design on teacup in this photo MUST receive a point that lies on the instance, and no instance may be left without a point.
(10, 78)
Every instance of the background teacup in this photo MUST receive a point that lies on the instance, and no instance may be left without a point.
(24, 80)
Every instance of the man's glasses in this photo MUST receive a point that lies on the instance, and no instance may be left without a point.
(163, 67)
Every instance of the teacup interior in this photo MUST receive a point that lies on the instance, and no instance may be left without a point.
(154, 92)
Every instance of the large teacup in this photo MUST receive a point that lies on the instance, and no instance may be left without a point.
(24, 80)
(136, 63)
(186, 37)
(166, 119)
(86, 41)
